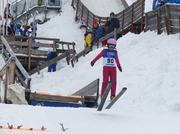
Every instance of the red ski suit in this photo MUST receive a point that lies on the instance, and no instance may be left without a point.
(110, 59)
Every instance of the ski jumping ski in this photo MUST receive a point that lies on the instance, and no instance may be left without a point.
(116, 98)
(105, 96)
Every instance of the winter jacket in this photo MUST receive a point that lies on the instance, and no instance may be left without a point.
(49, 57)
(9, 15)
(97, 33)
(87, 41)
(112, 23)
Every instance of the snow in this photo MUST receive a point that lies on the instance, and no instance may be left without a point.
(150, 64)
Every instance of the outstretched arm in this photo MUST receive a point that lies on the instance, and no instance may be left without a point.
(98, 56)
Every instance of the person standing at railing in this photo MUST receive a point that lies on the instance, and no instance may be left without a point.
(110, 60)
(7, 11)
(112, 23)
(50, 56)
(97, 32)
(18, 32)
(88, 40)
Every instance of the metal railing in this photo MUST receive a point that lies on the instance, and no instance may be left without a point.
(24, 6)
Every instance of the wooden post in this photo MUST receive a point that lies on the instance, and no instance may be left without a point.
(12, 70)
(158, 25)
(29, 63)
(82, 12)
(67, 57)
(92, 24)
(6, 84)
(132, 17)
(115, 33)
(142, 13)
(73, 46)
(54, 46)
(28, 83)
(99, 20)
(87, 21)
(167, 25)
(168, 16)
(179, 24)
(0, 88)
(72, 2)
(76, 10)
(123, 23)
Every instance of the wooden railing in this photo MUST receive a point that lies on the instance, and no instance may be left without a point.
(164, 19)
(66, 48)
(8, 71)
(127, 17)
(20, 72)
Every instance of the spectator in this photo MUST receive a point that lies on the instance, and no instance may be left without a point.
(18, 32)
(87, 39)
(110, 60)
(50, 56)
(25, 32)
(97, 32)
(7, 12)
(112, 23)
(11, 27)
(162, 3)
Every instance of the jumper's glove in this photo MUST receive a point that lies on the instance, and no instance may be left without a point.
(120, 69)
(92, 64)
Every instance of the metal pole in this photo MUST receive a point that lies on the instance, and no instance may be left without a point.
(3, 15)
(7, 17)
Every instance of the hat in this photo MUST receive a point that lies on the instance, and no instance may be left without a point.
(94, 22)
(112, 13)
(85, 34)
(50, 50)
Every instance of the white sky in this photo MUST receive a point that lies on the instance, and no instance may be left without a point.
(150, 64)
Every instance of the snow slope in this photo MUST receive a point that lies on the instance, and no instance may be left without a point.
(150, 64)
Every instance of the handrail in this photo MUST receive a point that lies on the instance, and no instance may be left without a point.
(18, 64)
(6, 64)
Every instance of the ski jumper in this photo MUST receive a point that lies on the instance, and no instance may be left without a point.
(110, 59)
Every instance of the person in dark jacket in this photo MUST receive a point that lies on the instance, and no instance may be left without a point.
(97, 32)
(112, 23)
(49, 57)
(18, 32)
(25, 32)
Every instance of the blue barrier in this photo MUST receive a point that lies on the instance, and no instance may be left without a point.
(55, 104)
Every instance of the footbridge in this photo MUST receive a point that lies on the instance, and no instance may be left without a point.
(24, 9)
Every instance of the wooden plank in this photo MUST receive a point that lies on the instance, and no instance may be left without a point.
(33, 38)
(89, 90)
(29, 65)
(33, 52)
(55, 98)
(12, 70)
(48, 63)
(0, 88)
(21, 79)
(19, 43)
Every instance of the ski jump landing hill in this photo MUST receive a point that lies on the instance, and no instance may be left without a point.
(131, 18)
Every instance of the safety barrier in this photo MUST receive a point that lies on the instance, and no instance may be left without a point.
(22, 9)
(164, 19)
